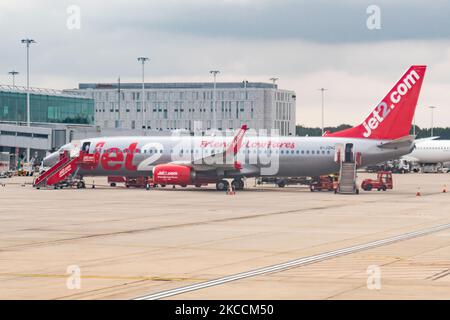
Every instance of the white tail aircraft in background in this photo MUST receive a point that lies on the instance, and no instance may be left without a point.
(429, 151)
(383, 135)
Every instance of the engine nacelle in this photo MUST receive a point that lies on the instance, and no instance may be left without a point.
(173, 174)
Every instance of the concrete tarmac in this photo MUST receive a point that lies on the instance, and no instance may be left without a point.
(119, 243)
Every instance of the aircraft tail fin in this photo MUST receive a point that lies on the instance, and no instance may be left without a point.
(393, 116)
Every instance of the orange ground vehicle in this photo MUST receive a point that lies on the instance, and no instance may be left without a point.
(383, 182)
(326, 182)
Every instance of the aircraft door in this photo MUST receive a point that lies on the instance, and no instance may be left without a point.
(86, 147)
(348, 152)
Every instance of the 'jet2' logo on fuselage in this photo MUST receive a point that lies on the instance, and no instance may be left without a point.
(382, 110)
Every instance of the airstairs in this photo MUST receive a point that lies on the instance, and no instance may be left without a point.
(65, 169)
(348, 162)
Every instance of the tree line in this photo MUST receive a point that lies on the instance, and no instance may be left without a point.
(443, 133)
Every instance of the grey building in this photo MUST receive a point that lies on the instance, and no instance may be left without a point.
(189, 106)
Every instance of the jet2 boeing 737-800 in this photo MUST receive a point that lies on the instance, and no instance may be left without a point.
(192, 160)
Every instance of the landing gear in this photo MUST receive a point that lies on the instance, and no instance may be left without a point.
(281, 183)
(81, 184)
(237, 184)
(222, 185)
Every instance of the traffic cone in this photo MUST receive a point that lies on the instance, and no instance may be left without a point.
(418, 194)
(445, 189)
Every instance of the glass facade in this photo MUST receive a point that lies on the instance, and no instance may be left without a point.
(46, 108)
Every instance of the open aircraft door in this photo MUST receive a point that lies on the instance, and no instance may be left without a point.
(75, 151)
(339, 153)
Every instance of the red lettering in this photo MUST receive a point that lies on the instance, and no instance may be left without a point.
(108, 157)
(129, 158)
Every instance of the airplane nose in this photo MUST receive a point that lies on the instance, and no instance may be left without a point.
(51, 159)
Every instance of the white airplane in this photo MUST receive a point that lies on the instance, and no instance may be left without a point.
(193, 160)
(430, 151)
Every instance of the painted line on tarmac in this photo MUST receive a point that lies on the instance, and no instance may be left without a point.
(294, 263)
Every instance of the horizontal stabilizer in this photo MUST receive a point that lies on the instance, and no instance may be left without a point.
(398, 143)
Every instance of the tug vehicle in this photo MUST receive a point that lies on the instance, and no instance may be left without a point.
(383, 182)
(324, 182)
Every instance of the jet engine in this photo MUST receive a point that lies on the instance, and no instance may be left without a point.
(173, 174)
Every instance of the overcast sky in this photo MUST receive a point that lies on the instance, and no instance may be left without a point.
(307, 44)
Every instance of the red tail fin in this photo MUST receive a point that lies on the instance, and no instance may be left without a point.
(392, 118)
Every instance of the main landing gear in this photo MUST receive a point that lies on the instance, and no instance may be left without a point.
(222, 185)
(236, 184)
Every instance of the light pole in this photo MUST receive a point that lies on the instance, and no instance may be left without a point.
(28, 42)
(214, 73)
(118, 102)
(13, 74)
(432, 118)
(143, 60)
(274, 80)
(323, 97)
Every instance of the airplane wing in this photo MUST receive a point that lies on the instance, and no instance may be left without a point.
(409, 158)
(226, 159)
(397, 143)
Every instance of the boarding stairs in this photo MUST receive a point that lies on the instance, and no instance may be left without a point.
(61, 173)
(349, 163)
(347, 178)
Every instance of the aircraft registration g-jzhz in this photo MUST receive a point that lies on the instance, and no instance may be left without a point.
(197, 160)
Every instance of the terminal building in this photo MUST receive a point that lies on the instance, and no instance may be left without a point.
(103, 109)
(54, 117)
(190, 106)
